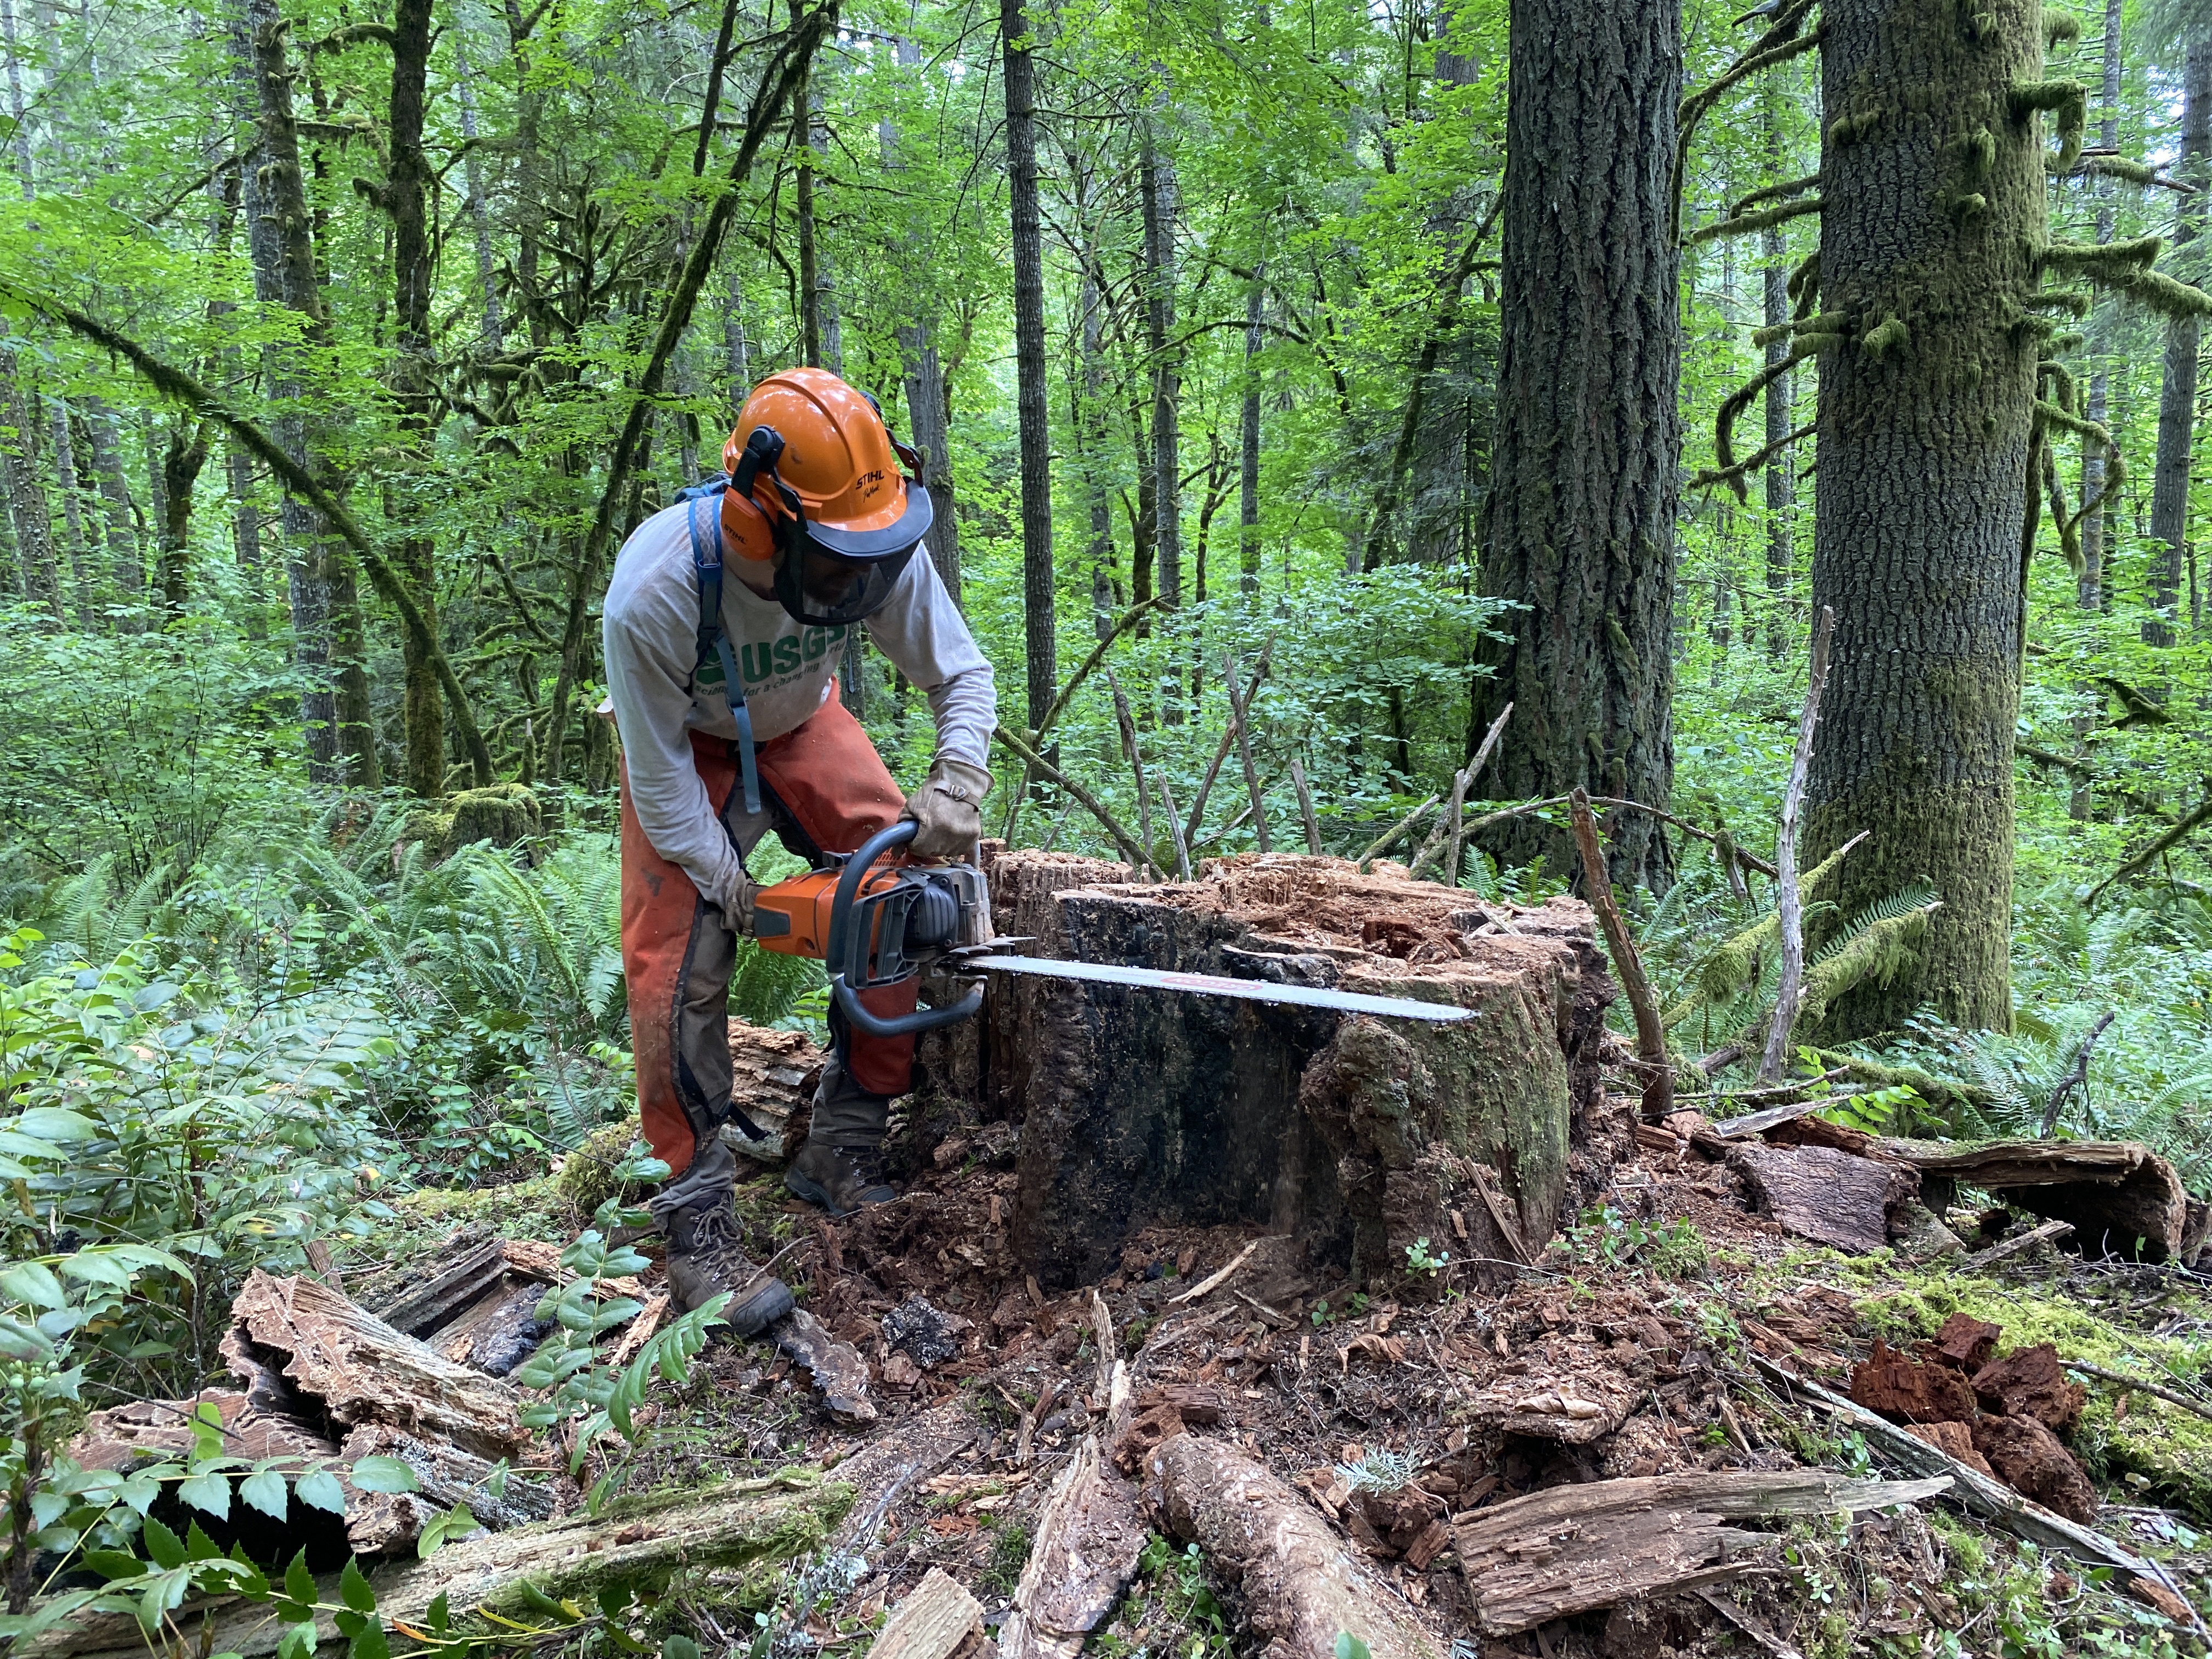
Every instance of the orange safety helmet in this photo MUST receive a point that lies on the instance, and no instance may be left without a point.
(814, 475)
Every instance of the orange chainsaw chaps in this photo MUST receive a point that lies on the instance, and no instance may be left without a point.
(829, 780)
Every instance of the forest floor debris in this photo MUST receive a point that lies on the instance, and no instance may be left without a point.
(1365, 1454)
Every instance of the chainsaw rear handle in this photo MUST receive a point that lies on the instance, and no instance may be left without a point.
(847, 955)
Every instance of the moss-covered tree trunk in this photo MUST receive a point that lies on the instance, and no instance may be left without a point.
(1933, 217)
(2177, 403)
(1582, 504)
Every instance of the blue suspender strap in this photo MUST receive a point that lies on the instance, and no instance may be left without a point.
(708, 563)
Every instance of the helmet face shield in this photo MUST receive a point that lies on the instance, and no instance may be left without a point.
(822, 589)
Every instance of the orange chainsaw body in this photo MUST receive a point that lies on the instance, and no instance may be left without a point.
(791, 918)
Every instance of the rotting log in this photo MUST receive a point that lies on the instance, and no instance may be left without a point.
(1301, 1584)
(1831, 1197)
(2123, 1198)
(1082, 1555)
(1353, 1135)
(882, 1473)
(1574, 1548)
(291, 1338)
(639, 1540)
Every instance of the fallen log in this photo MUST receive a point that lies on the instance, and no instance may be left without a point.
(644, 1539)
(294, 1337)
(1140, 1108)
(1082, 1554)
(1831, 1197)
(884, 1471)
(2050, 1233)
(1574, 1548)
(2122, 1199)
(1301, 1584)
(1975, 1492)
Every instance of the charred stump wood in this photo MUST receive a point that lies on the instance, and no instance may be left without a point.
(1301, 1585)
(1575, 1548)
(1354, 1135)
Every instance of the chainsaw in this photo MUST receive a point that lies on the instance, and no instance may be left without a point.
(874, 924)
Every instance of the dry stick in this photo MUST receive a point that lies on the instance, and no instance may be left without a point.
(2152, 1389)
(1787, 899)
(1457, 832)
(1306, 807)
(1174, 828)
(1135, 757)
(1127, 620)
(1650, 1034)
(1238, 707)
(1228, 737)
(1382, 843)
(1131, 853)
(2078, 1075)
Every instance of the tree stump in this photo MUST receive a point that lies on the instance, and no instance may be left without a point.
(1353, 1135)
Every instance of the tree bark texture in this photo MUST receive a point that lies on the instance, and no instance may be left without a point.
(181, 461)
(1583, 492)
(26, 491)
(1030, 366)
(105, 436)
(1247, 447)
(2177, 401)
(1156, 184)
(1351, 1135)
(67, 476)
(1923, 453)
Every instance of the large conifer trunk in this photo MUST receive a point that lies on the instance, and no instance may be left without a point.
(1934, 213)
(1582, 504)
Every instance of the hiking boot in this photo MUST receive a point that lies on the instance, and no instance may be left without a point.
(841, 1179)
(704, 1260)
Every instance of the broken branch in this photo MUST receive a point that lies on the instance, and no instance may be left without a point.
(1790, 903)
(1650, 1034)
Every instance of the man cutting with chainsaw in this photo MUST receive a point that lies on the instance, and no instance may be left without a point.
(759, 580)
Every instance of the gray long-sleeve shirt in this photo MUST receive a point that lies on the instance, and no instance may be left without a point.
(651, 633)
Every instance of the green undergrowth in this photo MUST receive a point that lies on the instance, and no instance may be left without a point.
(1171, 1611)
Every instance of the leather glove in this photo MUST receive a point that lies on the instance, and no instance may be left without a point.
(948, 807)
(737, 905)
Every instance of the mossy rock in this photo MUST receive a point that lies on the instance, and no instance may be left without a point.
(587, 1177)
(506, 815)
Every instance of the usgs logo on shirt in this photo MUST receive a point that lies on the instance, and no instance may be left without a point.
(768, 659)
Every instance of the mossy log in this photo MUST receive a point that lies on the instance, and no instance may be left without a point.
(2122, 1199)
(637, 1540)
(1356, 1135)
(505, 814)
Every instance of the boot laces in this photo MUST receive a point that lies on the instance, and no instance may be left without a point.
(716, 1244)
(866, 1163)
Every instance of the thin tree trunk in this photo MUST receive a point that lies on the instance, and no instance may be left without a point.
(1781, 485)
(2177, 403)
(16, 97)
(479, 213)
(186, 453)
(1155, 181)
(1092, 419)
(105, 436)
(66, 476)
(735, 344)
(1030, 366)
(1248, 467)
(1582, 489)
(927, 426)
(1923, 458)
(26, 493)
(809, 275)
(2090, 585)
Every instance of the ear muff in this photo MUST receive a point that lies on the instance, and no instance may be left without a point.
(746, 532)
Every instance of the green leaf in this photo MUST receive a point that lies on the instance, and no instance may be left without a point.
(199, 1546)
(97, 1266)
(384, 1474)
(57, 1124)
(353, 1588)
(299, 1641)
(164, 1592)
(320, 1489)
(439, 1614)
(23, 1626)
(34, 1283)
(679, 1647)
(298, 1582)
(371, 1643)
(265, 1492)
(210, 1492)
(164, 1546)
(114, 1563)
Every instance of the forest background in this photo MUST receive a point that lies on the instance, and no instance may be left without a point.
(343, 346)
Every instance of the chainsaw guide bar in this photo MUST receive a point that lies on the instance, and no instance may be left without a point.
(1215, 985)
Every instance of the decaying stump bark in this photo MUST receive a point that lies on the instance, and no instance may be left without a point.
(637, 1540)
(1301, 1584)
(1831, 1197)
(1357, 1135)
(1082, 1555)
(1573, 1548)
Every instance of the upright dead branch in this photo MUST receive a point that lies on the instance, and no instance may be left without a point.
(1239, 711)
(1306, 807)
(1786, 897)
(1650, 1034)
(1228, 737)
(1040, 767)
(2077, 1074)
(1174, 828)
(1129, 619)
(1135, 757)
(1451, 828)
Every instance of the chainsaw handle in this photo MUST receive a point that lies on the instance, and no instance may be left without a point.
(849, 883)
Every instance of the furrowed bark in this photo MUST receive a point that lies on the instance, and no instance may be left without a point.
(1923, 442)
(1582, 507)
(1040, 652)
(2177, 403)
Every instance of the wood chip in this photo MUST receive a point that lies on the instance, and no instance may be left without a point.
(1214, 1281)
(937, 1616)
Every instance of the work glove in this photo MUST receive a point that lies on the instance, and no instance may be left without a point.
(737, 904)
(949, 808)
